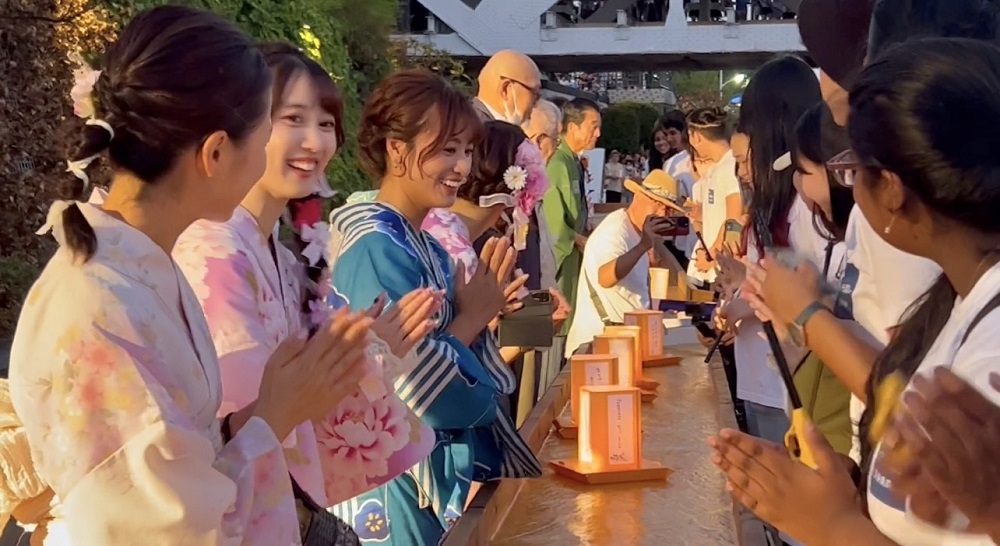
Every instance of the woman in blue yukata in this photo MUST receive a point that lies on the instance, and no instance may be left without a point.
(416, 137)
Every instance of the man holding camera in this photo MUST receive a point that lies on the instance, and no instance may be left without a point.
(614, 277)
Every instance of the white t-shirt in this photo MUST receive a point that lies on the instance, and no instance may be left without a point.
(757, 379)
(679, 167)
(879, 285)
(718, 183)
(612, 238)
(973, 362)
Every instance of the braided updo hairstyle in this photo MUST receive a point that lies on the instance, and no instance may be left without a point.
(174, 76)
(711, 122)
(490, 159)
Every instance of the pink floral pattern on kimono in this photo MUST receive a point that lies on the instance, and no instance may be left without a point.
(453, 234)
(252, 299)
(115, 379)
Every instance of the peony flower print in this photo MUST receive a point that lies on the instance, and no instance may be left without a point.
(357, 440)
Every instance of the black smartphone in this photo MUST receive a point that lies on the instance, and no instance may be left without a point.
(706, 330)
(541, 296)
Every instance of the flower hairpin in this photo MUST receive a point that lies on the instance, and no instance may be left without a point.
(527, 182)
(515, 178)
(82, 93)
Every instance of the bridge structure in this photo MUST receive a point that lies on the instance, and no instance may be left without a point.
(472, 30)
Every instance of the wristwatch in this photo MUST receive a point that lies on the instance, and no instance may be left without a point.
(797, 329)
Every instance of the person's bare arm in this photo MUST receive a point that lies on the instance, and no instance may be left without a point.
(612, 272)
(844, 347)
(734, 211)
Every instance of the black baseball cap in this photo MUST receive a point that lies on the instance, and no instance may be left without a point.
(835, 33)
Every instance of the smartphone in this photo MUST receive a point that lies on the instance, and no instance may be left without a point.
(541, 296)
(706, 330)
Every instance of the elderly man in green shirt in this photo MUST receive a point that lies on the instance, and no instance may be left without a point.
(564, 204)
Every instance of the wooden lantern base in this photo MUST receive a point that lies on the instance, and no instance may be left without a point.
(661, 361)
(647, 396)
(647, 384)
(565, 427)
(574, 470)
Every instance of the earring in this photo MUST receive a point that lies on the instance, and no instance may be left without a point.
(888, 228)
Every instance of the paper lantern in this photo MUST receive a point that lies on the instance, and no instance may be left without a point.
(651, 333)
(610, 444)
(585, 370)
(610, 428)
(623, 347)
(648, 386)
(590, 370)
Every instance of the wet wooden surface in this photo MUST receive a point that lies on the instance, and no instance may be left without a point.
(690, 509)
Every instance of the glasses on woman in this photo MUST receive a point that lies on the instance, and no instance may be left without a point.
(844, 167)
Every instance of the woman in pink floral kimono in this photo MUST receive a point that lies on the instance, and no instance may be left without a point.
(113, 372)
(256, 293)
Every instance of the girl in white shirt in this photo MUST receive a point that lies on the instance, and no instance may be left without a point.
(927, 195)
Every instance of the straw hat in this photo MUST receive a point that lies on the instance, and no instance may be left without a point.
(658, 186)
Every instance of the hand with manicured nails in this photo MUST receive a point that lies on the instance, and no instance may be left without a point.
(406, 322)
(789, 495)
(305, 378)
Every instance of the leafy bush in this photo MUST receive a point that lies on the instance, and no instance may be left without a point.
(620, 130)
(16, 277)
(350, 39)
(647, 115)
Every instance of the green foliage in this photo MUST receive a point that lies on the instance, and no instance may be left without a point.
(620, 129)
(413, 53)
(647, 115)
(349, 38)
(701, 89)
(16, 277)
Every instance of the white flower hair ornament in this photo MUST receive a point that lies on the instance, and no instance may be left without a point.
(82, 94)
(527, 182)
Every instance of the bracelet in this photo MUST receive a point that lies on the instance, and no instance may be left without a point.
(227, 430)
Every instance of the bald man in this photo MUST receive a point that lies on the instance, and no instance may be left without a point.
(509, 86)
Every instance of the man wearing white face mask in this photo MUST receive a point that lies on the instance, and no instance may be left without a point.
(509, 86)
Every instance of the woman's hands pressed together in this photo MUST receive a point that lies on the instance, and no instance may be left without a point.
(780, 293)
(305, 378)
(487, 292)
(798, 500)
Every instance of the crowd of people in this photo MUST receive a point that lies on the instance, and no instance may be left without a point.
(184, 374)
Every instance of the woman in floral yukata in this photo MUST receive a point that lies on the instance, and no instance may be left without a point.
(113, 371)
(417, 137)
(252, 290)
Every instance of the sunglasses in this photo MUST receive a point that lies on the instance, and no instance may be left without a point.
(845, 167)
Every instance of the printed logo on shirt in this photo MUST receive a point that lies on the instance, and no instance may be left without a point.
(711, 196)
(880, 486)
(844, 306)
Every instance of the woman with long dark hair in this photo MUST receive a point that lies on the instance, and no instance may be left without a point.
(933, 193)
(776, 97)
